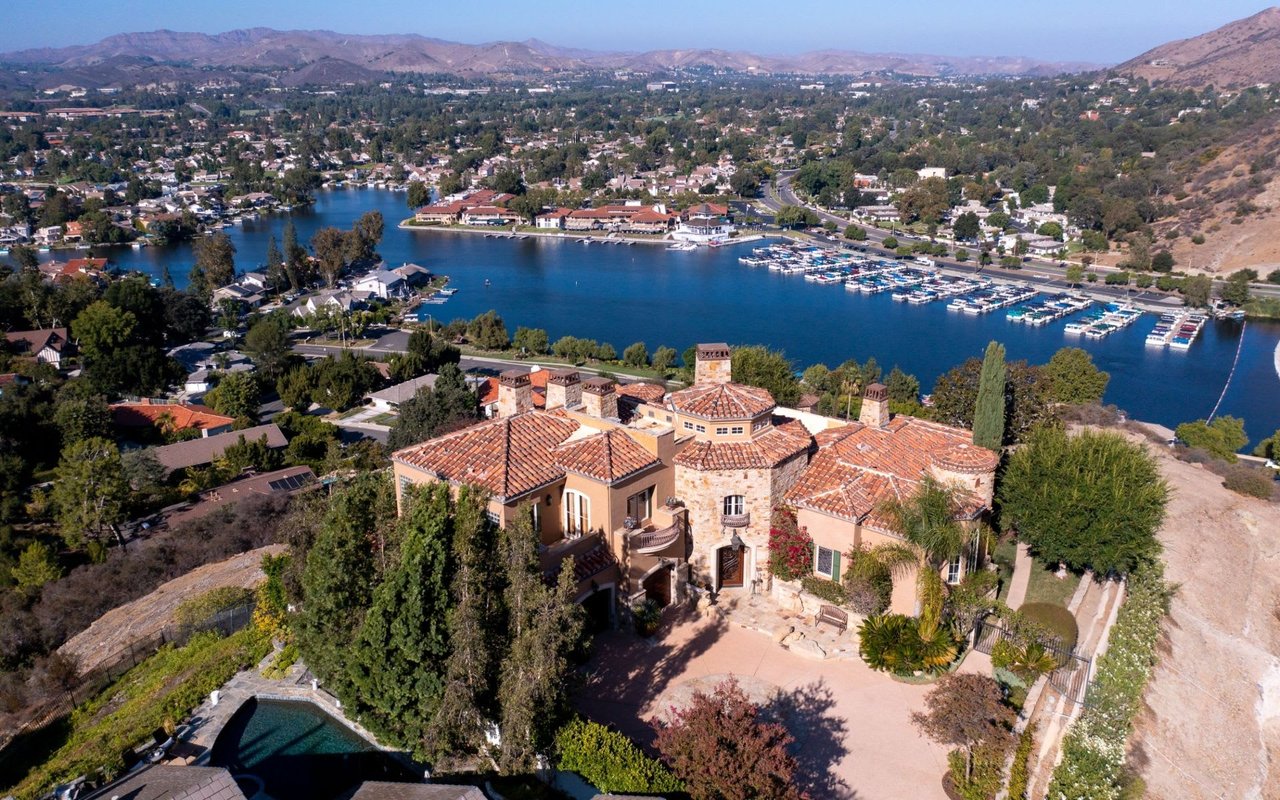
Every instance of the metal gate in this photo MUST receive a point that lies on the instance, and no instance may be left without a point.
(1071, 679)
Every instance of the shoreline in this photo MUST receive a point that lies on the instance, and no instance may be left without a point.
(566, 236)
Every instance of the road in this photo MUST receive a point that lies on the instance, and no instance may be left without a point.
(779, 193)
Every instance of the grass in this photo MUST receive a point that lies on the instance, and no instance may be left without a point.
(556, 361)
(1046, 587)
(163, 689)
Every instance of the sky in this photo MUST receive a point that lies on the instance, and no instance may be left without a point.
(1095, 31)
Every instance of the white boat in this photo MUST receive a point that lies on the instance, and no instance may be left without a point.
(683, 246)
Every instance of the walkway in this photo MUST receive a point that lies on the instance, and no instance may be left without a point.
(1022, 566)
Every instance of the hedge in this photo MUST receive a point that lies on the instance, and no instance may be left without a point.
(1093, 751)
(610, 761)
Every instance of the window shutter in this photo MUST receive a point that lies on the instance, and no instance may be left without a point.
(835, 565)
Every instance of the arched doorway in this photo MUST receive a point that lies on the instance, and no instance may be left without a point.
(731, 566)
(657, 586)
(599, 610)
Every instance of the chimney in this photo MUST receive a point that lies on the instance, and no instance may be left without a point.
(713, 364)
(515, 393)
(564, 389)
(600, 398)
(875, 406)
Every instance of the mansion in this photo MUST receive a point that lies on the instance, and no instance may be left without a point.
(650, 491)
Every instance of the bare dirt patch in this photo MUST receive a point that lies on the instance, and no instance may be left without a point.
(145, 617)
(1211, 728)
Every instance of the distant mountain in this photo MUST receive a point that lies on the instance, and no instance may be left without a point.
(1240, 53)
(264, 48)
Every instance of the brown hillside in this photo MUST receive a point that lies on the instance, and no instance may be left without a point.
(1240, 53)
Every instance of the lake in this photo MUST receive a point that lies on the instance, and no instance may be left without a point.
(622, 294)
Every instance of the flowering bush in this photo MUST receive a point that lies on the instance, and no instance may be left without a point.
(790, 548)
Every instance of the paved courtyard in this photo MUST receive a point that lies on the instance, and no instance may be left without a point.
(852, 725)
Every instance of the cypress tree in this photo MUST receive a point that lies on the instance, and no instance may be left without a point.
(544, 626)
(398, 660)
(989, 410)
(477, 632)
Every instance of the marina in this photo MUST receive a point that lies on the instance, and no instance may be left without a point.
(1177, 331)
(1104, 322)
(1048, 309)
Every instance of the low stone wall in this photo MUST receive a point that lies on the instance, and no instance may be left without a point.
(790, 596)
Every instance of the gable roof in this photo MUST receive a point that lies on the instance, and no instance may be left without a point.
(385, 790)
(35, 341)
(203, 451)
(607, 457)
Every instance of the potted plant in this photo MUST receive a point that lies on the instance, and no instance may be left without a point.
(647, 616)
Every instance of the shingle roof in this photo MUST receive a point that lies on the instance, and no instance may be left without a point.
(857, 467)
(766, 450)
(165, 782)
(202, 451)
(35, 341)
(508, 456)
(384, 790)
(607, 457)
(723, 401)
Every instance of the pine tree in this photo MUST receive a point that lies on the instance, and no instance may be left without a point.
(544, 625)
(476, 632)
(989, 410)
(277, 277)
(397, 661)
(337, 583)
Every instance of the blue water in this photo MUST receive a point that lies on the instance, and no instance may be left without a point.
(644, 293)
(298, 752)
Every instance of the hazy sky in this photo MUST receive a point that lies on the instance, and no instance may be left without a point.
(1101, 31)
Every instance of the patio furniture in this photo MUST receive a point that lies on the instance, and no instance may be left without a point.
(834, 617)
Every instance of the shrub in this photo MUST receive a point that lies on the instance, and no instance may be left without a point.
(1249, 481)
(1222, 437)
(1020, 771)
(868, 583)
(1197, 238)
(830, 591)
(790, 547)
(894, 643)
(204, 607)
(986, 774)
(647, 616)
(1093, 751)
(1056, 619)
(610, 761)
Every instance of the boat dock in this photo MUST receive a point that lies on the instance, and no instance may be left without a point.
(1048, 309)
(1177, 331)
(992, 298)
(1104, 322)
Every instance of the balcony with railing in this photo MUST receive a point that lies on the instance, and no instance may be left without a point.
(649, 542)
(736, 520)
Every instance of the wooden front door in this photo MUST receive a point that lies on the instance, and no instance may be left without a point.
(657, 587)
(731, 568)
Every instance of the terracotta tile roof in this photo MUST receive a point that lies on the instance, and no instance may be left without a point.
(183, 416)
(643, 391)
(857, 468)
(509, 457)
(769, 449)
(607, 457)
(593, 562)
(723, 401)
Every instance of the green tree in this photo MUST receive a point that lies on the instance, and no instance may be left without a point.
(1075, 274)
(295, 257)
(532, 341)
(267, 343)
(216, 260)
(237, 395)
(926, 200)
(396, 664)
(636, 355)
(1196, 290)
(890, 243)
(1269, 447)
(446, 406)
(488, 331)
(767, 369)
(338, 580)
(276, 274)
(966, 710)
(37, 565)
(989, 408)
(966, 226)
(1051, 229)
(1090, 501)
(664, 358)
(366, 234)
(1073, 378)
(476, 632)
(903, 388)
(1027, 403)
(855, 233)
(1223, 437)
(90, 492)
(1235, 289)
(795, 217)
(419, 195)
(330, 246)
(544, 627)
(102, 329)
(81, 417)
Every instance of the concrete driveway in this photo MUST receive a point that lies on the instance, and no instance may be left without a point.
(852, 725)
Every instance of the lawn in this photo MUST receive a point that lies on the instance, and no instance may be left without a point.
(1046, 587)
(161, 690)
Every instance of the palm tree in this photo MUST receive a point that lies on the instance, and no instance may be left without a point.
(932, 538)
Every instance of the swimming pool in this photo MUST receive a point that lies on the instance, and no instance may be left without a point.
(298, 752)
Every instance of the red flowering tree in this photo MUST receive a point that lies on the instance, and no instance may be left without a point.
(790, 547)
(722, 750)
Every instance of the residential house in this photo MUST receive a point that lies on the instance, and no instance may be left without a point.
(489, 215)
(147, 414)
(206, 450)
(384, 284)
(440, 213)
(390, 398)
(278, 483)
(48, 346)
(656, 491)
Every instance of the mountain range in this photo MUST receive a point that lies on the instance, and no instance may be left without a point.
(267, 49)
(1240, 53)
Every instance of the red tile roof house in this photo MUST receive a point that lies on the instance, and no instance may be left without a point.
(48, 346)
(597, 463)
(176, 416)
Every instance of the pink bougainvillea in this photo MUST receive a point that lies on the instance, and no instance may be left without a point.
(790, 548)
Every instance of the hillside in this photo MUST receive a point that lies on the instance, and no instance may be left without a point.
(264, 48)
(1240, 53)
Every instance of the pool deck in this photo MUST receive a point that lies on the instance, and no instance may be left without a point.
(208, 720)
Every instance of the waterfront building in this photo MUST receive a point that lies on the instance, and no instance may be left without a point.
(650, 492)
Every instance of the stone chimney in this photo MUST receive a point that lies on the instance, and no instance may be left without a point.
(875, 406)
(600, 398)
(564, 389)
(713, 364)
(515, 393)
